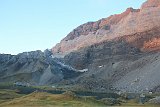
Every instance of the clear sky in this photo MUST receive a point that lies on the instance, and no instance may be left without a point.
(27, 25)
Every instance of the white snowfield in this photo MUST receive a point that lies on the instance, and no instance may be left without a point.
(71, 68)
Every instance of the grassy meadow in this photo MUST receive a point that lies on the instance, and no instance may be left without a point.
(45, 96)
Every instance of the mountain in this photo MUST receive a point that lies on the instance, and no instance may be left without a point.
(118, 53)
(130, 22)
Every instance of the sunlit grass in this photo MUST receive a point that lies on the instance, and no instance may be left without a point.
(13, 96)
(40, 99)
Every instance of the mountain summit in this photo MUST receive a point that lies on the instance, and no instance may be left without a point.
(130, 22)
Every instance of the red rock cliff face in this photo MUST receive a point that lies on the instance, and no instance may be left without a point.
(92, 27)
(151, 3)
(130, 22)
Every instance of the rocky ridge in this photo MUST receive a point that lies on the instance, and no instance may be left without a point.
(128, 23)
(34, 67)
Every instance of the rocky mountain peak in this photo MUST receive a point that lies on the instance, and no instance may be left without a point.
(88, 27)
(129, 22)
(151, 3)
(100, 27)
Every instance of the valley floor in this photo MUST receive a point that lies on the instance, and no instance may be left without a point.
(18, 96)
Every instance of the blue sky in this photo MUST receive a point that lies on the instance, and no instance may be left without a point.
(28, 25)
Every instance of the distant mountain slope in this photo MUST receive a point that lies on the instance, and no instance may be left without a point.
(34, 67)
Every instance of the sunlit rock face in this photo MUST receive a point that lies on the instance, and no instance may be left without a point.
(150, 4)
(127, 23)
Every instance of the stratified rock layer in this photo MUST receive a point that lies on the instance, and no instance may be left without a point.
(128, 23)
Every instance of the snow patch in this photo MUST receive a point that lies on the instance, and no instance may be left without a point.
(84, 70)
(100, 66)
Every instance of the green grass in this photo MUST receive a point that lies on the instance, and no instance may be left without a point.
(17, 96)
(8, 95)
(41, 99)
